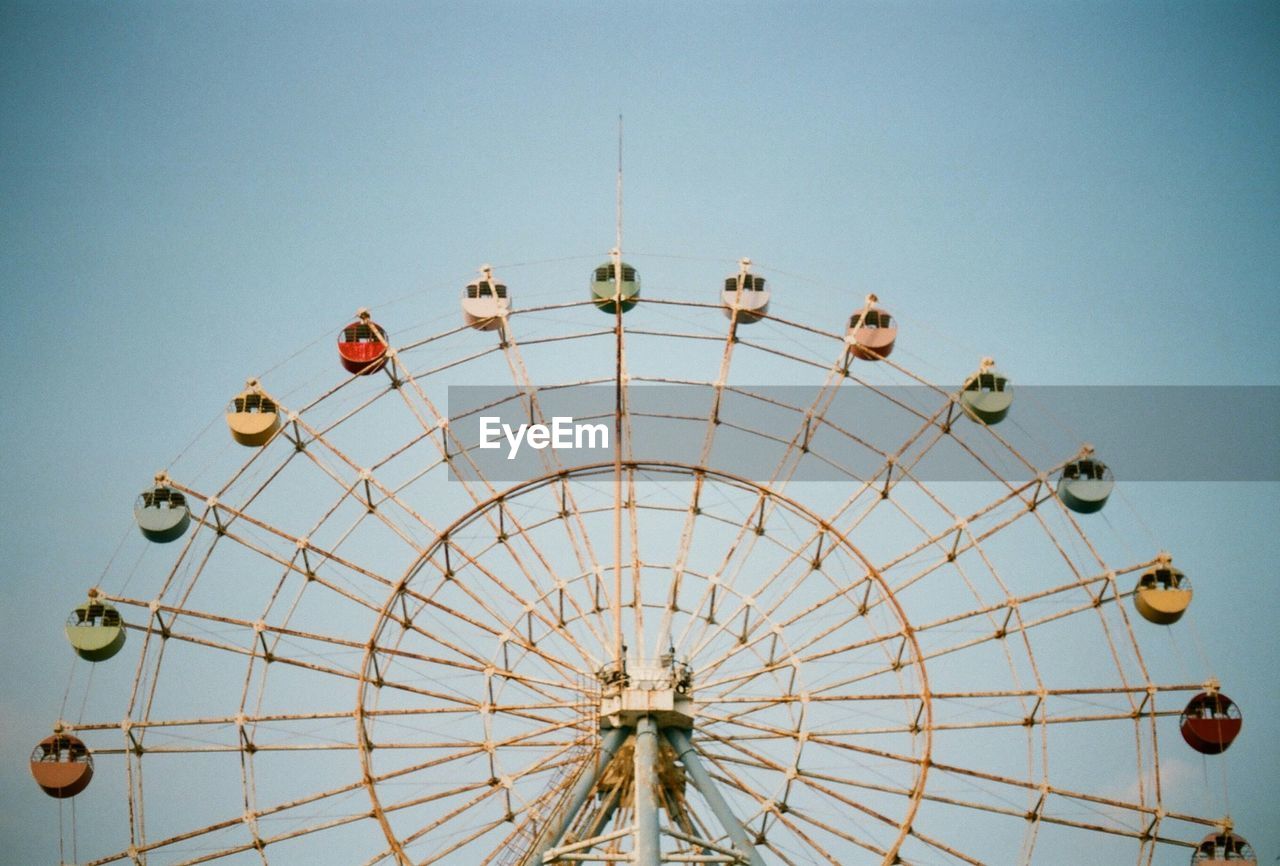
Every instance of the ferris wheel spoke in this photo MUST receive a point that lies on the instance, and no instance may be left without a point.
(897, 467)
(948, 540)
(942, 431)
(485, 792)
(466, 840)
(746, 538)
(464, 750)
(1021, 724)
(510, 633)
(362, 485)
(751, 757)
(256, 650)
(663, 635)
(524, 830)
(258, 626)
(576, 533)
(952, 544)
(794, 659)
(746, 602)
(1080, 693)
(491, 787)
(1038, 786)
(742, 545)
(1116, 595)
(257, 647)
(501, 531)
(302, 546)
(280, 718)
(545, 608)
(242, 819)
(507, 531)
(515, 533)
(478, 664)
(386, 854)
(261, 651)
(816, 780)
(771, 813)
(1145, 830)
(745, 638)
(436, 428)
(958, 538)
(752, 634)
(821, 783)
(1012, 624)
(259, 456)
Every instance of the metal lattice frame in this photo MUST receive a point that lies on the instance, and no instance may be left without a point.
(830, 723)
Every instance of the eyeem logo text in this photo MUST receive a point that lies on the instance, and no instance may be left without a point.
(561, 433)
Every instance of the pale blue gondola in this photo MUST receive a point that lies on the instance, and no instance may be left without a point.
(162, 513)
(1085, 483)
(987, 394)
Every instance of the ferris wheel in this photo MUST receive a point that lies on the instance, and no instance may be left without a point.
(749, 628)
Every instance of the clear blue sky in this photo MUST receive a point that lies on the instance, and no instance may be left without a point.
(193, 191)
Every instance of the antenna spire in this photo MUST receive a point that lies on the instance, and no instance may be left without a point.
(618, 240)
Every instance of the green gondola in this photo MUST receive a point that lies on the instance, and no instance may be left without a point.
(605, 288)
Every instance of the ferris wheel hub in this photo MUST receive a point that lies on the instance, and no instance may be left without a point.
(660, 689)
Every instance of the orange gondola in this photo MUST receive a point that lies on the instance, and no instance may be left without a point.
(62, 765)
(1163, 592)
(872, 332)
(253, 416)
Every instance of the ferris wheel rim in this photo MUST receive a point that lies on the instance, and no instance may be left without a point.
(683, 469)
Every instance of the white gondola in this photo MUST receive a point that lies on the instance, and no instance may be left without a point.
(744, 292)
(485, 304)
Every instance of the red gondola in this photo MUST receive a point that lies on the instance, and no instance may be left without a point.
(1210, 722)
(872, 332)
(62, 766)
(362, 345)
(1225, 847)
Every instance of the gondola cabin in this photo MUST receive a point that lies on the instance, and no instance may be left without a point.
(62, 766)
(1210, 722)
(253, 417)
(162, 513)
(1085, 484)
(95, 630)
(987, 395)
(1163, 592)
(606, 288)
(1224, 848)
(362, 345)
(872, 332)
(745, 294)
(485, 303)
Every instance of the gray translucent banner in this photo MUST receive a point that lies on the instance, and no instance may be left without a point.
(854, 432)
